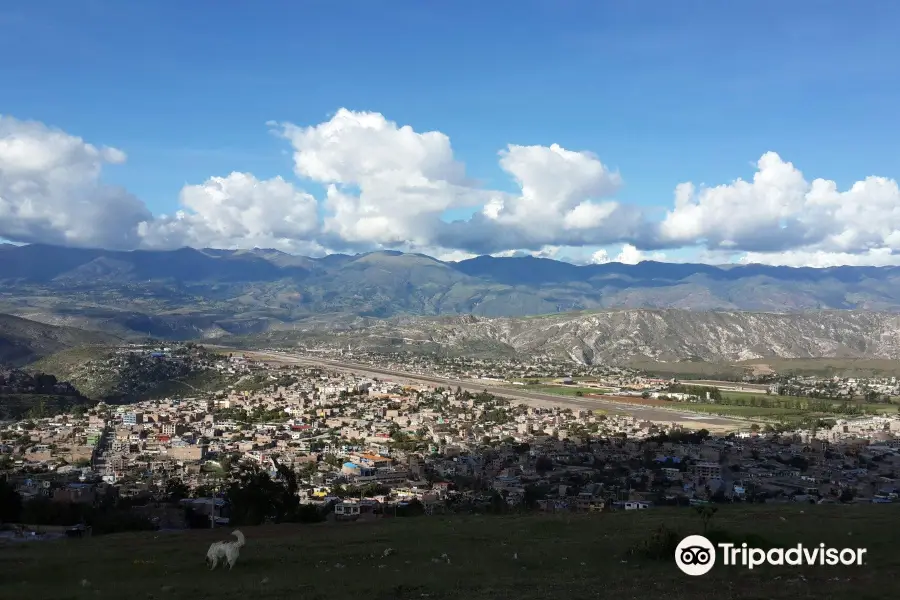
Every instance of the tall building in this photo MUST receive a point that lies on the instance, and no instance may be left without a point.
(416, 467)
(133, 418)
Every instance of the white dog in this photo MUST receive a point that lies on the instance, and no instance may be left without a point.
(228, 551)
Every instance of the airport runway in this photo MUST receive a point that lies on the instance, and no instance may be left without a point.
(650, 413)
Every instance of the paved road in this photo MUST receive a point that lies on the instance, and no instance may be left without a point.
(663, 415)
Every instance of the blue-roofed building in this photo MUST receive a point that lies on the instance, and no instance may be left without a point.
(354, 470)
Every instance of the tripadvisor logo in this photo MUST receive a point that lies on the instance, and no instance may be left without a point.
(696, 555)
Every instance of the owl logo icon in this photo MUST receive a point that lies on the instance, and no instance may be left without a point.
(695, 555)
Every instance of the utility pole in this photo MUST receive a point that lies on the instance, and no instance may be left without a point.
(212, 509)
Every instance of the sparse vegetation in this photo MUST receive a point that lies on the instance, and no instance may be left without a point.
(23, 341)
(36, 395)
(571, 556)
(121, 374)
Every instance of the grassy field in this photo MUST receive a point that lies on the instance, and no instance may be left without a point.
(727, 410)
(746, 412)
(822, 367)
(868, 407)
(787, 412)
(772, 413)
(578, 556)
(730, 395)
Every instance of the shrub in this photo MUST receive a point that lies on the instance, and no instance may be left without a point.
(660, 545)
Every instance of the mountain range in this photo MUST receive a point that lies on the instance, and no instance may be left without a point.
(190, 293)
(618, 336)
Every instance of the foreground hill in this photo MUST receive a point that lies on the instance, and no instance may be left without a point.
(23, 341)
(621, 336)
(573, 556)
(36, 395)
(107, 374)
(190, 293)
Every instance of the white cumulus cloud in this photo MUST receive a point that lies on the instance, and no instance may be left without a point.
(390, 185)
(629, 255)
(780, 211)
(387, 185)
(881, 257)
(238, 211)
(51, 192)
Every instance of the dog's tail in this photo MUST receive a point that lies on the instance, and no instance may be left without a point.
(240, 536)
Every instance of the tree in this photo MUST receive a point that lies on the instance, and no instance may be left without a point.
(203, 491)
(176, 490)
(413, 508)
(256, 497)
(543, 464)
(534, 493)
(10, 503)
(252, 495)
(498, 504)
(799, 462)
(309, 469)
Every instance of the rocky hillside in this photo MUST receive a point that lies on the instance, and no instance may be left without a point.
(23, 341)
(617, 336)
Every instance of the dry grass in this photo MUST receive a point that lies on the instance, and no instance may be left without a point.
(558, 557)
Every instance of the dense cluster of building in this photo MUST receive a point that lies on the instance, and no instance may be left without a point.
(363, 444)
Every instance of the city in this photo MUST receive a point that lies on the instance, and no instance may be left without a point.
(363, 445)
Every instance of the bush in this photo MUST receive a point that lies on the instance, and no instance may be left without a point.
(309, 513)
(663, 542)
(660, 546)
(43, 511)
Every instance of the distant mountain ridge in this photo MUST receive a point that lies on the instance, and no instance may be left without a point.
(39, 263)
(190, 293)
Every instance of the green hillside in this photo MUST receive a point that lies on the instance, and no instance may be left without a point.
(100, 373)
(573, 556)
(23, 341)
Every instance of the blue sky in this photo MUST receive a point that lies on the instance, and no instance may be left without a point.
(663, 92)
